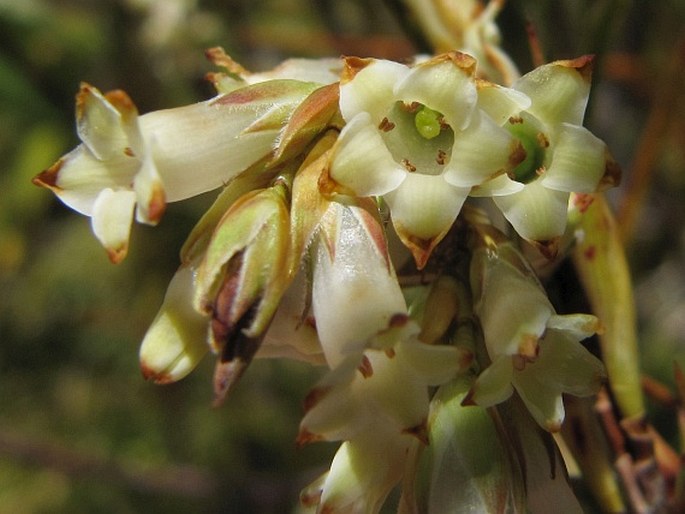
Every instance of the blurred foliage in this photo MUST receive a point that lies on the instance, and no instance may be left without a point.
(80, 431)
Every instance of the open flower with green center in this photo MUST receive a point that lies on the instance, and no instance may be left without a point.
(415, 137)
(562, 156)
(532, 348)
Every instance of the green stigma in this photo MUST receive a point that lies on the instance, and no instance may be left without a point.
(527, 170)
(427, 122)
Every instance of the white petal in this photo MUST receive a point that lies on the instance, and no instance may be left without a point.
(371, 90)
(493, 385)
(536, 213)
(200, 147)
(558, 93)
(395, 391)
(434, 363)
(498, 186)
(470, 165)
(336, 407)
(500, 103)
(290, 334)
(513, 309)
(362, 163)
(578, 161)
(364, 471)
(444, 87)
(111, 221)
(150, 196)
(79, 177)
(543, 402)
(425, 206)
(566, 364)
(99, 124)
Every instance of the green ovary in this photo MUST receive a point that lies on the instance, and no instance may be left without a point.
(427, 122)
(527, 170)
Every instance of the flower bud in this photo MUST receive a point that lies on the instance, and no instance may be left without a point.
(176, 340)
(354, 288)
(242, 277)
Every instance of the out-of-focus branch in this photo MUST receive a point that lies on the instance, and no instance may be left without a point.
(174, 479)
(668, 89)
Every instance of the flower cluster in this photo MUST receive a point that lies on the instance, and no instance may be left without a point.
(295, 257)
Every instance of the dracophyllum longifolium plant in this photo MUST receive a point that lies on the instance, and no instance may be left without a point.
(416, 137)
(561, 156)
(129, 164)
(532, 349)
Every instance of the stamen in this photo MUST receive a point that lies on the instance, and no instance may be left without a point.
(386, 125)
(410, 167)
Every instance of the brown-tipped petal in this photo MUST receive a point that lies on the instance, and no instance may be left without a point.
(419, 431)
(583, 65)
(48, 178)
(612, 173)
(353, 65)
(304, 437)
(226, 376)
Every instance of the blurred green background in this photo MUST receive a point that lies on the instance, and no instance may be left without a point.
(80, 431)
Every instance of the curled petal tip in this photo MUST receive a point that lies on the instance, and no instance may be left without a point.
(151, 375)
(118, 254)
(612, 174)
(353, 65)
(156, 204)
(553, 425)
(584, 65)
(365, 367)
(549, 248)
(226, 376)
(122, 102)
(305, 437)
(421, 249)
(48, 177)
(314, 397)
(464, 61)
(419, 431)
